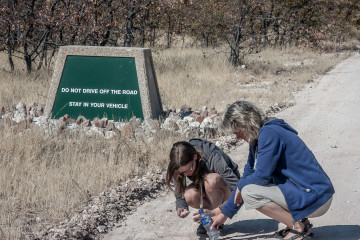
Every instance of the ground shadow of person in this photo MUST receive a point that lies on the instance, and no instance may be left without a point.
(265, 228)
(251, 229)
(343, 232)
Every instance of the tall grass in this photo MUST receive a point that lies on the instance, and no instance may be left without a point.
(19, 86)
(44, 177)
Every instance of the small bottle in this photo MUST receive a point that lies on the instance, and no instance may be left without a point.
(206, 221)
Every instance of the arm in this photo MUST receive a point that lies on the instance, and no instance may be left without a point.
(249, 167)
(182, 208)
(230, 208)
(220, 218)
(270, 149)
(219, 163)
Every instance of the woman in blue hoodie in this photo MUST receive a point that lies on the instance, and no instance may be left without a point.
(282, 178)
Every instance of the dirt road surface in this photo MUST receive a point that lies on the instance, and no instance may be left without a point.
(327, 117)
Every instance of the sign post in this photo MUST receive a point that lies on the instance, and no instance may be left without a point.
(116, 83)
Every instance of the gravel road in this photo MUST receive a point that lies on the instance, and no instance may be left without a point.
(327, 117)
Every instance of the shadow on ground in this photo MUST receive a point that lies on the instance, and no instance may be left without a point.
(343, 232)
(251, 229)
(265, 228)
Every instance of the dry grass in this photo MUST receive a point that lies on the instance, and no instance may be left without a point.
(199, 77)
(43, 178)
(18, 86)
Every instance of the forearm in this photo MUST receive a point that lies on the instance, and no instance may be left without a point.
(181, 202)
(230, 208)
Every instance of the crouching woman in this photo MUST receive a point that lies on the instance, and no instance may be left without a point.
(211, 176)
(282, 178)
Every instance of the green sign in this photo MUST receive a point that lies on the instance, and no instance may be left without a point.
(97, 86)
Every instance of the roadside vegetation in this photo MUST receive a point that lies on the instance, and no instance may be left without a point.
(205, 54)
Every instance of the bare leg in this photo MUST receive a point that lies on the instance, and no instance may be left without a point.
(216, 190)
(192, 197)
(278, 213)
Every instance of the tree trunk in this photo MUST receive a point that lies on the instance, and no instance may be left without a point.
(169, 32)
(205, 39)
(11, 62)
(129, 25)
(10, 50)
(129, 37)
(27, 58)
(106, 37)
(253, 34)
(44, 48)
(276, 29)
(235, 46)
(153, 37)
(143, 27)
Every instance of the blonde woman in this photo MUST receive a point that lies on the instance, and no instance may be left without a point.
(282, 178)
(213, 175)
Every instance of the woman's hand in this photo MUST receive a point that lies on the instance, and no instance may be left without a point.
(210, 212)
(182, 213)
(238, 197)
(196, 215)
(213, 212)
(218, 220)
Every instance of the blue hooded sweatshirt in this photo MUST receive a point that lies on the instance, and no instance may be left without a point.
(282, 158)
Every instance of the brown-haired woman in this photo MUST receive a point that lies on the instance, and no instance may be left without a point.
(212, 173)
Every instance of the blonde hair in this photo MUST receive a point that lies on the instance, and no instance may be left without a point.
(244, 115)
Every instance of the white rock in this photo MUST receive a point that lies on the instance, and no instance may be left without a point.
(20, 106)
(19, 116)
(183, 125)
(101, 228)
(189, 119)
(194, 124)
(95, 131)
(110, 134)
(207, 122)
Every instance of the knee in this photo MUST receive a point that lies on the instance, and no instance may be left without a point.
(214, 182)
(190, 196)
(247, 193)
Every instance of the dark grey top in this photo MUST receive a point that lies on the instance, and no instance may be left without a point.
(216, 162)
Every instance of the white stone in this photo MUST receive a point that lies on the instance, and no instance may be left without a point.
(95, 131)
(207, 122)
(194, 124)
(182, 125)
(101, 228)
(20, 106)
(110, 134)
(19, 116)
(189, 119)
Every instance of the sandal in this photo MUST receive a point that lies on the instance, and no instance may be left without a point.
(201, 230)
(282, 233)
(221, 230)
(302, 235)
(308, 226)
